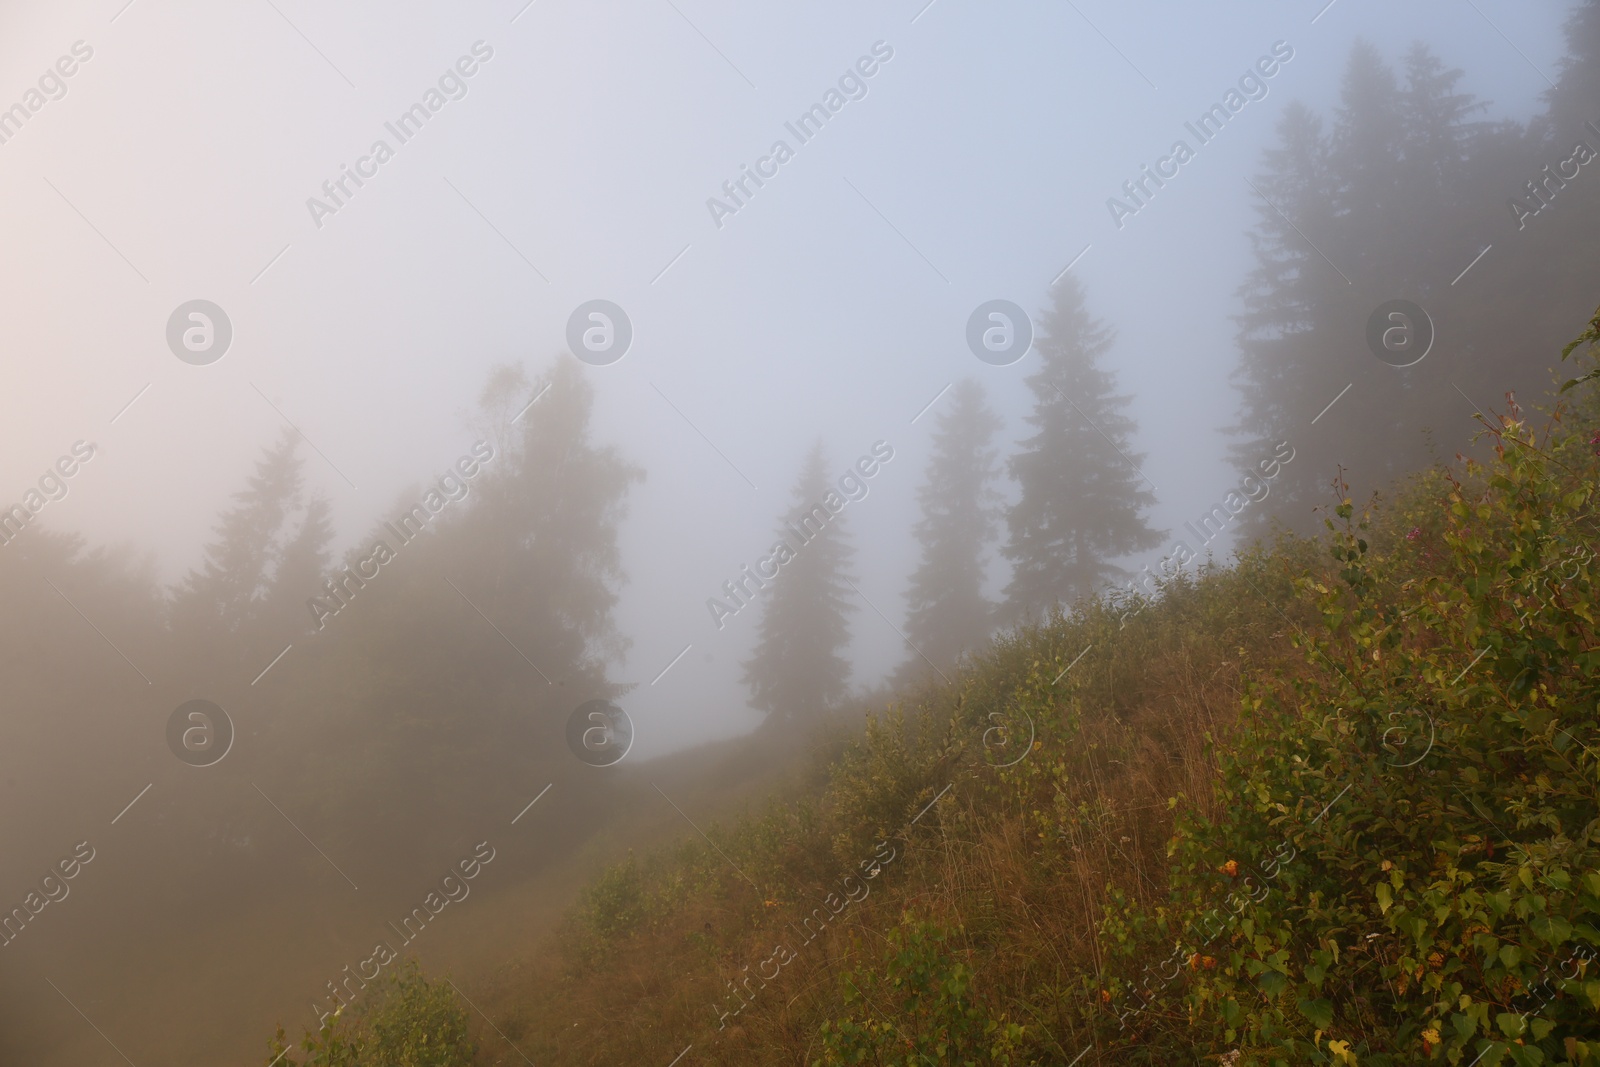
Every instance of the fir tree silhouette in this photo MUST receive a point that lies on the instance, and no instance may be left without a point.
(797, 671)
(1083, 497)
(949, 613)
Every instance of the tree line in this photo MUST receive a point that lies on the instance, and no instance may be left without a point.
(500, 618)
(1080, 507)
(1391, 199)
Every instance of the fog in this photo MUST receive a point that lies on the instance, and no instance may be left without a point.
(202, 152)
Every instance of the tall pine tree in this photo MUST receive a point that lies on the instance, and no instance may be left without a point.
(798, 671)
(1281, 383)
(302, 562)
(1395, 200)
(240, 599)
(1083, 500)
(541, 539)
(451, 674)
(949, 613)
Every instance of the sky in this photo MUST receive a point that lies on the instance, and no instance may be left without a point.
(574, 164)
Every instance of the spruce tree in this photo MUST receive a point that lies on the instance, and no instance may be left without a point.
(1083, 499)
(301, 565)
(797, 671)
(454, 671)
(1280, 378)
(1392, 202)
(1555, 264)
(225, 597)
(1572, 101)
(949, 613)
(538, 536)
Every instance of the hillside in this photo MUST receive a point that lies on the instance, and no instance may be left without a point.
(1335, 803)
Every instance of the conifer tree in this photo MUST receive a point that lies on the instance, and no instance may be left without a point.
(301, 565)
(1488, 226)
(1555, 271)
(457, 666)
(1280, 380)
(1083, 498)
(797, 670)
(226, 594)
(949, 613)
(539, 535)
(1572, 101)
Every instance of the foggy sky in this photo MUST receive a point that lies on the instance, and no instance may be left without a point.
(179, 161)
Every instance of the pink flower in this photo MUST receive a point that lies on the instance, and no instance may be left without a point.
(1415, 534)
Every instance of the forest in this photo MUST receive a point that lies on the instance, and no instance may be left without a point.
(1329, 798)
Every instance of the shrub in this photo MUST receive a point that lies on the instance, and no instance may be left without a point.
(409, 1021)
(922, 983)
(1405, 868)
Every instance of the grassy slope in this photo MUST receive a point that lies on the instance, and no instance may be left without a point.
(1122, 732)
(1226, 835)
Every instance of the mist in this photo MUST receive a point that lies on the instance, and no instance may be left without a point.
(406, 404)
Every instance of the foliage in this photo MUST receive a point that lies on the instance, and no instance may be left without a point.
(409, 1021)
(1448, 907)
(1589, 340)
(262, 564)
(924, 985)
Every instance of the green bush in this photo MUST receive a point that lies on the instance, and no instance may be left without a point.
(1405, 868)
(408, 1021)
(922, 983)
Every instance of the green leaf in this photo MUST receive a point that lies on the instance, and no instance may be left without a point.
(1526, 1055)
(1319, 1012)
(1493, 1052)
(1554, 929)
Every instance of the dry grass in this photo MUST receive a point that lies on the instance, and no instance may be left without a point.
(1020, 863)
